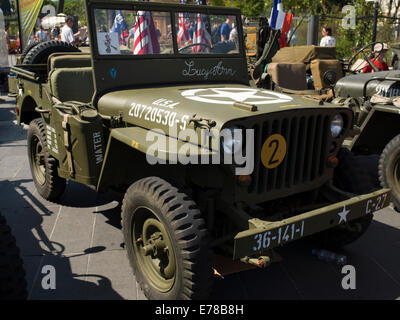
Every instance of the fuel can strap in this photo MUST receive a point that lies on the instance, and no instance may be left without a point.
(68, 145)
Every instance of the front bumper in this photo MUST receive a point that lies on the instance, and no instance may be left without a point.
(264, 235)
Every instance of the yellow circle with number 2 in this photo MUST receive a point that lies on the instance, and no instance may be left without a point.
(273, 151)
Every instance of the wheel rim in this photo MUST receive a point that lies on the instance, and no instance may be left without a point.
(153, 249)
(38, 160)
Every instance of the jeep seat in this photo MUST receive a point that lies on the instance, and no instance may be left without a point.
(72, 84)
(288, 75)
(63, 60)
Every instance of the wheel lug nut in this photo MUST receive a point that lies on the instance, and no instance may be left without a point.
(148, 250)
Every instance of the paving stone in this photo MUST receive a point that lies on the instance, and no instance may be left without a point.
(387, 216)
(15, 150)
(313, 279)
(70, 279)
(11, 165)
(116, 274)
(383, 248)
(107, 230)
(74, 229)
(139, 293)
(17, 193)
(32, 230)
(255, 285)
(77, 195)
(31, 267)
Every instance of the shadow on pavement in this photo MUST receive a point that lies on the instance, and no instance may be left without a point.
(77, 195)
(38, 250)
(300, 275)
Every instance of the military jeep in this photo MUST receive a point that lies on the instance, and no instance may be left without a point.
(374, 98)
(123, 115)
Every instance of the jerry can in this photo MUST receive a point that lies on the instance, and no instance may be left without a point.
(75, 137)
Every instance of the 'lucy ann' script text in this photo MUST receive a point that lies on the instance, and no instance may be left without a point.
(218, 70)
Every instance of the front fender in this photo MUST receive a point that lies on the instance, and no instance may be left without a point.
(380, 126)
(138, 148)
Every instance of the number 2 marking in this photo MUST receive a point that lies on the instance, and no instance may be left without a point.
(273, 151)
(272, 160)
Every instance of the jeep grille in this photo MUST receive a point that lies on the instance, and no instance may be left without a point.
(307, 151)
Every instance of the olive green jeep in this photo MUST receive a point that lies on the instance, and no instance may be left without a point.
(375, 100)
(211, 166)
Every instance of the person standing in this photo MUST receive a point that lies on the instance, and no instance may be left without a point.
(225, 30)
(327, 39)
(41, 35)
(67, 34)
(233, 36)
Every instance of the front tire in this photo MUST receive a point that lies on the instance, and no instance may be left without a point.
(389, 170)
(356, 174)
(166, 241)
(43, 166)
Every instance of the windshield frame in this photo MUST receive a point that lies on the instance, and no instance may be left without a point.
(172, 10)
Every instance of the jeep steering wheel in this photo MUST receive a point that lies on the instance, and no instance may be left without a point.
(194, 44)
(366, 51)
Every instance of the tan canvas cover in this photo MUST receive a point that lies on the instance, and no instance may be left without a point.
(288, 75)
(318, 69)
(304, 54)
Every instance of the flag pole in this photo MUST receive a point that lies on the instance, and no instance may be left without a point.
(21, 45)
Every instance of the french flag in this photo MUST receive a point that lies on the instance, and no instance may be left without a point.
(279, 19)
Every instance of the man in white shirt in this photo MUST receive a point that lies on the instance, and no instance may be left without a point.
(327, 39)
(67, 34)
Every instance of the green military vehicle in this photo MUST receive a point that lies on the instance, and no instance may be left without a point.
(211, 166)
(374, 98)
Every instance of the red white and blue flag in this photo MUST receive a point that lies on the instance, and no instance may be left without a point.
(201, 35)
(184, 25)
(279, 19)
(145, 36)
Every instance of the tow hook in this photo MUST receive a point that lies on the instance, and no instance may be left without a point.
(260, 262)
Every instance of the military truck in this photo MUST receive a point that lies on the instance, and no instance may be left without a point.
(256, 168)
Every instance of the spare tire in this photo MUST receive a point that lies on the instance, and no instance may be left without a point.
(40, 53)
(29, 47)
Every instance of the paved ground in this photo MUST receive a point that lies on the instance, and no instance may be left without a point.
(82, 239)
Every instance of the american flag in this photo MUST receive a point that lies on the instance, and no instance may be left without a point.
(201, 35)
(183, 34)
(145, 38)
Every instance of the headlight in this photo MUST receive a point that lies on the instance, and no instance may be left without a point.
(232, 142)
(337, 125)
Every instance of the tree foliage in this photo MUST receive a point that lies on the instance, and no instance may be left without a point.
(7, 7)
(76, 8)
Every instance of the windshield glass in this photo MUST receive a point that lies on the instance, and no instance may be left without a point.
(201, 33)
(128, 32)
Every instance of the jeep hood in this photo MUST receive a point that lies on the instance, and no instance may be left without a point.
(176, 106)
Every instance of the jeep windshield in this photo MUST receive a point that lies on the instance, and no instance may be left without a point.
(151, 32)
(149, 43)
